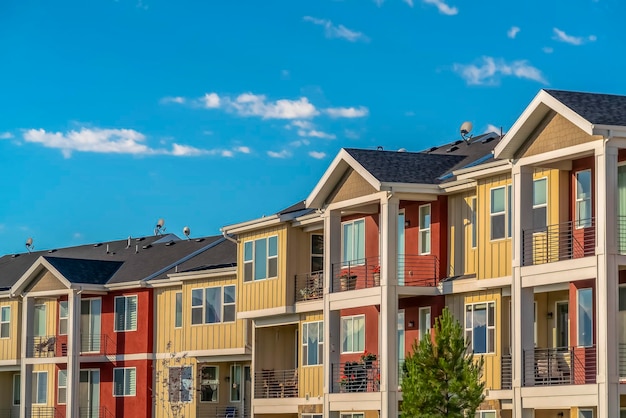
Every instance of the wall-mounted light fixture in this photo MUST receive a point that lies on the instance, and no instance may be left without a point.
(227, 378)
(411, 324)
(550, 315)
(407, 224)
(560, 414)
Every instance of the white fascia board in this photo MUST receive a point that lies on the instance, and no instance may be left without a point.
(532, 115)
(205, 274)
(469, 173)
(155, 284)
(89, 287)
(251, 225)
(411, 188)
(458, 186)
(125, 285)
(39, 264)
(309, 220)
(609, 131)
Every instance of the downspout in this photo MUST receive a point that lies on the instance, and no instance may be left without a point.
(229, 238)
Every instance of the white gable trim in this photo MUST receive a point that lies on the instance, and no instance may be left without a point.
(40, 264)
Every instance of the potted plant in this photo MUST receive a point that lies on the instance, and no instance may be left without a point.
(368, 358)
(376, 271)
(344, 383)
(348, 281)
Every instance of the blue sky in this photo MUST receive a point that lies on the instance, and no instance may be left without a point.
(114, 114)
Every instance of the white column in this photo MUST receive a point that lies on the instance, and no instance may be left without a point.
(388, 340)
(522, 298)
(332, 325)
(252, 365)
(26, 370)
(73, 354)
(607, 281)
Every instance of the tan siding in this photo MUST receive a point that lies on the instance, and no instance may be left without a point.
(10, 347)
(51, 314)
(6, 394)
(312, 377)
(462, 255)
(352, 185)
(553, 133)
(46, 281)
(52, 382)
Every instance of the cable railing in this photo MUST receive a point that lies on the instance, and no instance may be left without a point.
(622, 360)
(418, 270)
(218, 411)
(276, 384)
(98, 412)
(353, 376)
(43, 412)
(309, 286)
(564, 241)
(97, 344)
(507, 372)
(361, 273)
(560, 366)
(44, 346)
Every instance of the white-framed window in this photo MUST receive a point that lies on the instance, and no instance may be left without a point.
(353, 334)
(209, 384)
(585, 413)
(480, 327)
(353, 243)
(509, 210)
(62, 387)
(178, 319)
(473, 219)
(63, 317)
(622, 413)
(485, 414)
(260, 259)
(353, 415)
(424, 229)
(424, 322)
(16, 389)
(125, 313)
(39, 320)
(235, 382)
(583, 199)
(312, 343)
(317, 252)
(498, 213)
(180, 384)
(312, 415)
(40, 388)
(213, 305)
(585, 317)
(5, 321)
(124, 381)
(540, 203)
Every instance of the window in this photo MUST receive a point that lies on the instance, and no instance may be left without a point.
(209, 384)
(312, 343)
(40, 388)
(235, 383)
(260, 259)
(178, 320)
(5, 322)
(63, 315)
(16, 389)
(480, 327)
(62, 387)
(473, 217)
(124, 381)
(540, 204)
(126, 313)
(509, 190)
(207, 306)
(353, 243)
(583, 199)
(485, 414)
(353, 334)
(424, 316)
(180, 381)
(317, 253)
(622, 413)
(585, 317)
(585, 413)
(424, 229)
(39, 321)
(498, 213)
(353, 415)
(312, 415)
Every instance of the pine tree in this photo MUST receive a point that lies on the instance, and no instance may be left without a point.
(441, 376)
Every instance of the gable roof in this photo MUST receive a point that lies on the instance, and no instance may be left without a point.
(596, 108)
(85, 271)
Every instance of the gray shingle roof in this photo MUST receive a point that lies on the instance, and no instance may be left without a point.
(85, 271)
(598, 109)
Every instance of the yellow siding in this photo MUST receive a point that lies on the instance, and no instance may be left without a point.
(194, 337)
(463, 258)
(10, 347)
(546, 326)
(51, 314)
(6, 394)
(456, 304)
(52, 382)
(312, 377)
(276, 347)
(46, 281)
(268, 293)
(351, 186)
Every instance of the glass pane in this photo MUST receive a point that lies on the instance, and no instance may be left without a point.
(312, 341)
(359, 331)
(247, 251)
(540, 192)
(305, 330)
(235, 376)
(196, 315)
(346, 335)
(347, 254)
(317, 263)
(16, 389)
(5, 330)
(473, 221)
(468, 316)
(583, 184)
(321, 333)
(497, 227)
(213, 308)
(179, 310)
(585, 413)
(273, 246)
(42, 387)
(229, 294)
(622, 298)
(247, 272)
(131, 314)
(317, 244)
(492, 314)
(272, 267)
(260, 259)
(585, 317)
(359, 240)
(540, 217)
(497, 200)
(118, 382)
(229, 313)
(129, 384)
(62, 309)
(424, 217)
(480, 328)
(425, 242)
(196, 297)
(120, 308)
(39, 326)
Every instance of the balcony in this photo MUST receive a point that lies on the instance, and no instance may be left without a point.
(45, 346)
(622, 361)
(9, 413)
(309, 286)
(560, 366)
(219, 411)
(97, 345)
(276, 384)
(418, 270)
(507, 372)
(100, 412)
(564, 241)
(43, 412)
(56, 346)
(354, 376)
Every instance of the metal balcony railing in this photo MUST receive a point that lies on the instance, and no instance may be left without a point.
(44, 346)
(276, 384)
(356, 274)
(418, 270)
(622, 360)
(100, 412)
(43, 412)
(309, 286)
(8, 413)
(560, 366)
(355, 376)
(218, 411)
(97, 344)
(507, 372)
(564, 241)
(621, 234)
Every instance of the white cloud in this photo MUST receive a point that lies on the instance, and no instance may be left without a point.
(249, 104)
(302, 124)
(547, 49)
(211, 101)
(347, 112)
(188, 151)
(227, 153)
(561, 36)
(77, 235)
(300, 143)
(350, 134)
(443, 7)
(317, 155)
(492, 128)
(337, 31)
(512, 33)
(6, 135)
(409, 2)
(284, 74)
(313, 133)
(176, 99)
(281, 154)
(491, 70)
(243, 149)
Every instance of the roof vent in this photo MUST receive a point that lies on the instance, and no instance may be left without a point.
(145, 247)
(487, 139)
(432, 149)
(139, 239)
(51, 251)
(98, 244)
(199, 239)
(379, 148)
(170, 243)
(452, 148)
(402, 150)
(15, 255)
(457, 142)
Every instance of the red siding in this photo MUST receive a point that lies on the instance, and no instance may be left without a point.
(411, 314)
(371, 331)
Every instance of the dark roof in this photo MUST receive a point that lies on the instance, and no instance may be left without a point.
(85, 271)
(223, 254)
(296, 207)
(598, 109)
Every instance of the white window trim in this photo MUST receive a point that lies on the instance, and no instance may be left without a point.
(45, 310)
(125, 311)
(352, 318)
(585, 410)
(420, 243)
(6, 322)
(19, 389)
(354, 260)
(313, 254)
(351, 414)
(320, 341)
(578, 343)
(577, 220)
(543, 205)
(59, 387)
(489, 327)
(505, 213)
(217, 380)
(267, 259)
(473, 222)
(182, 309)
(232, 382)
(64, 317)
(312, 415)
(38, 373)
(125, 369)
(222, 307)
(419, 319)
(555, 318)
(181, 372)
(481, 414)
